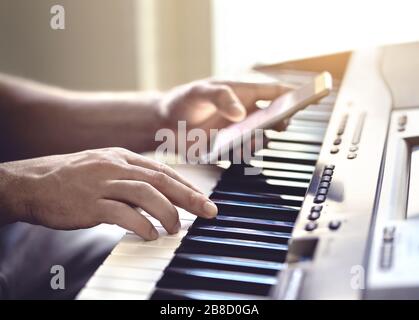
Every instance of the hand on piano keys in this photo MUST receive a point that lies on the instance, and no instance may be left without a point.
(138, 264)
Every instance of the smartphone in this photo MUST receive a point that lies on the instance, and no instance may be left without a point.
(280, 109)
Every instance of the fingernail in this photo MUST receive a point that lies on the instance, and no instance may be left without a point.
(154, 234)
(210, 209)
(238, 111)
(178, 226)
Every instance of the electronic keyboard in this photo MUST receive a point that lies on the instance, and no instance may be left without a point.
(332, 214)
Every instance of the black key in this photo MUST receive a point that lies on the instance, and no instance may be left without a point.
(282, 166)
(258, 198)
(268, 173)
(173, 294)
(233, 248)
(190, 261)
(247, 184)
(251, 223)
(254, 206)
(247, 210)
(176, 294)
(179, 278)
(240, 233)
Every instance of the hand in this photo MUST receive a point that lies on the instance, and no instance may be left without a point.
(210, 104)
(84, 189)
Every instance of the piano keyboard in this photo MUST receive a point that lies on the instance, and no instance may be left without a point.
(238, 254)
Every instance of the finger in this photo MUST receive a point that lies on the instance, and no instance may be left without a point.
(215, 122)
(123, 215)
(269, 91)
(148, 198)
(281, 125)
(178, 193)
(262, 91)
(226, 101)
(141, 161)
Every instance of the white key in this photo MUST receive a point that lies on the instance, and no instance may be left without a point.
(185, 215)
(128, 273)
(144, 251)
(185, 224)
(97, 294)
(137, 262)
(183, 221)
(133, 238)
(168, 243)
(153, 220)
(115, 284)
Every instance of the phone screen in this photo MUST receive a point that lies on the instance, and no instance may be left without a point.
(280, 109)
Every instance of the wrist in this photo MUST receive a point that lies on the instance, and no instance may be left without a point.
(9, 192)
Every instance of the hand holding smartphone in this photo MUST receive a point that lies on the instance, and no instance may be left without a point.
(280, 109)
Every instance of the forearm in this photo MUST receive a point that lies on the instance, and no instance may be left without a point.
(9, 207)
(128, 120)
(37, 120)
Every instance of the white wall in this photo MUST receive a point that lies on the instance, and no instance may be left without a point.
(174, 41)
(265, 31)
(95, 51)
(107, 44)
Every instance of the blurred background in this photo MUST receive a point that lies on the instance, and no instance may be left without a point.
(156, 44)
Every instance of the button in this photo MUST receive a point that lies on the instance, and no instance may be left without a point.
(314, 215)
(326, 179)
(310, 226)
(327, 172)
(353, 148)
(386, 259)
(359, 128)
(319, 199)
(334, 225)
(334, 150)
(341, 130)
(388, 234)
(352, 155)
(324, 184)
(402, 120)
(342, 124)
(337, 141)
(330, 167)
(322, 191)
(316, 208)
